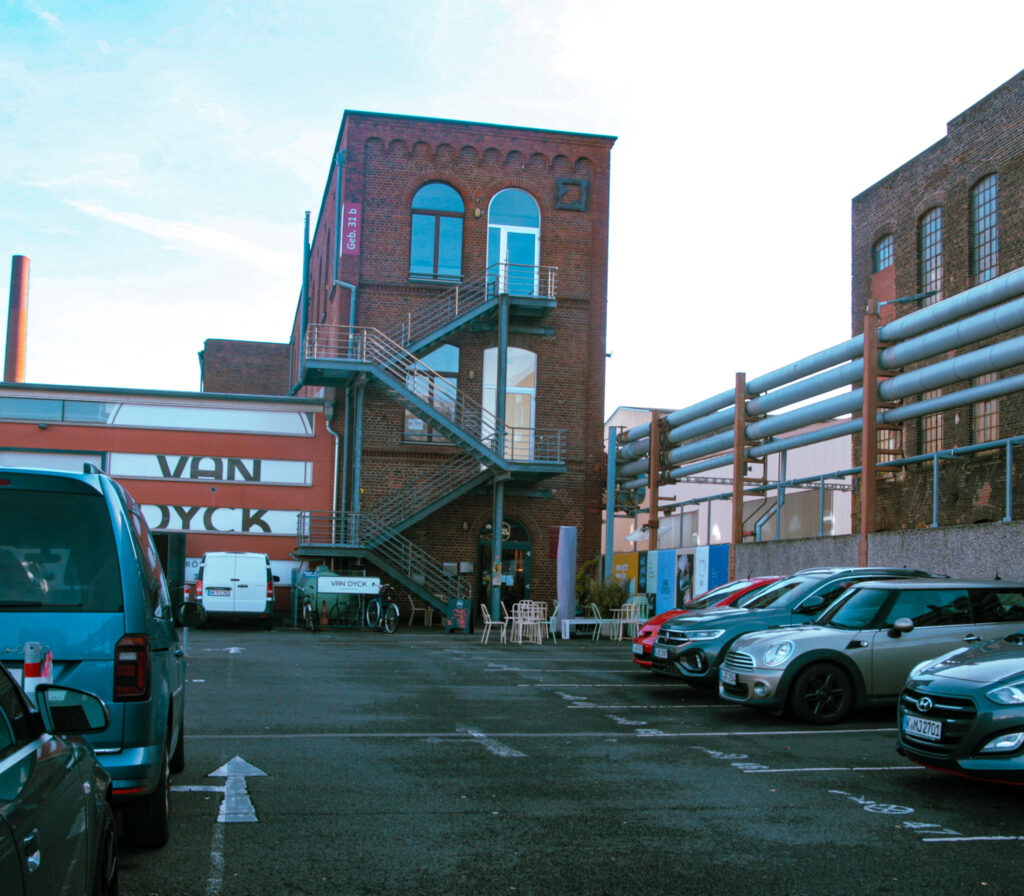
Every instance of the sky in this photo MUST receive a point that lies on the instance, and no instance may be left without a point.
(157, 158)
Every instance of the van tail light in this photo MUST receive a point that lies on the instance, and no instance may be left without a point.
(199, 589)
(270, 590)
(132, 662)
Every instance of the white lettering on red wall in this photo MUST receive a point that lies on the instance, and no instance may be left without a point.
(216, 469)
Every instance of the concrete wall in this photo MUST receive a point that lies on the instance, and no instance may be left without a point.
(982, 551)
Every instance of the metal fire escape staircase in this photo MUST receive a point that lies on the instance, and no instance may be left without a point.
(339, 356)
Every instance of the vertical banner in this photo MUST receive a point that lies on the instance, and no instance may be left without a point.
(566, 572)
(684, 577)
(718, 565)
(664, 580)
(700, 571)
(625, 567)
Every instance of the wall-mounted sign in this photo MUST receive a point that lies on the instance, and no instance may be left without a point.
(351, 220)
(243, 520)
(347, 585)
(216, 469)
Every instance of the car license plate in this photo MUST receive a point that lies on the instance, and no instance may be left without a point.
(638, 649)
(219, 592)
(925, 729)
(661, 653)
(726, 676)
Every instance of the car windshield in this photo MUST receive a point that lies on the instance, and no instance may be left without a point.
(57, 552)
(855, 609)
(716, 595)
(780, 593)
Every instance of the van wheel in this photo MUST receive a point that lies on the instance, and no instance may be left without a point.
(178, 757)
(105, 880)
(822, 695)
(147, 820)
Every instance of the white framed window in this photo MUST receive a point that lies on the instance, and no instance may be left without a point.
(520, 400)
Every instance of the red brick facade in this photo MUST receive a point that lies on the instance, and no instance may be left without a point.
(986, 139)
(245, 368)
(386, 160)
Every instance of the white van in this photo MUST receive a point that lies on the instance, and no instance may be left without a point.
(236, 584)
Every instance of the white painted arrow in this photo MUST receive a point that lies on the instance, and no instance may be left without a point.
(236, 805)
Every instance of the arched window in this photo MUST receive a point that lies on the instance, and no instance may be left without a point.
(435, 250)
(929, 254)
(513, 242)
(520, 400)
(881, 254)
(435, 379)
(985, 229)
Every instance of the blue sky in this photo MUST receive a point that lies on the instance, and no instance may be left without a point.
(158, 158)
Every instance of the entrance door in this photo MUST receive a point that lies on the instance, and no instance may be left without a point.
(515, 564)
(513, 242)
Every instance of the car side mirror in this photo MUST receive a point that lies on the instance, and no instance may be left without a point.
(901, 626)
(70, 711)
(811, 606)
(192, 613)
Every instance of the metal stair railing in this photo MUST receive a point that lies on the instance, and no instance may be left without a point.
(472, 295)
(445, 480)
(368, 345)
(362, 532)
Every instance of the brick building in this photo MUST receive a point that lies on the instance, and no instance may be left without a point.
(440, 248)
(949, 219)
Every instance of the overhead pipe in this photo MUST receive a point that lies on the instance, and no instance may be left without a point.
(957, 369)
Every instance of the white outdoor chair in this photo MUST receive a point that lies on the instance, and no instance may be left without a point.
(491, 623)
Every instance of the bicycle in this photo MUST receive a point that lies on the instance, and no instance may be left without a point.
(382, 611)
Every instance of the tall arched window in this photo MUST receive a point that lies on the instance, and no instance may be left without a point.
(436, 244)
(520, 400)
(881, 254)
(435, 379)
(985, 229)
(929, 254)
(513, 242)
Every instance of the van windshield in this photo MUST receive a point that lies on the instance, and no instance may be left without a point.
(57, 552)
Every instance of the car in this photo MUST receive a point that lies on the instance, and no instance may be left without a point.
(963, 712)
(693, 647)
(80, 575)
(57, 830)
(859, 651)
(724, 595)
(236, 585)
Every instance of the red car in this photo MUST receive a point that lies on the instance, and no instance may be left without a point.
(723, 595)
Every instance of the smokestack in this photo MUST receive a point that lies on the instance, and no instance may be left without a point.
(17, 321)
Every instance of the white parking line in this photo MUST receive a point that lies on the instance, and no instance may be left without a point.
(495, 747)
(835, 768)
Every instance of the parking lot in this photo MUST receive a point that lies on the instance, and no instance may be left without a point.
(354, 762)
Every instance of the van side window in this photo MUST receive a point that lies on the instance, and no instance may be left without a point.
(938, 606)
(156, 584)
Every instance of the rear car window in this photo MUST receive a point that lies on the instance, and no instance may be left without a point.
(57, 553)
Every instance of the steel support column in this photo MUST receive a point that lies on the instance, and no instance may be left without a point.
(739, 468)
(868, 431)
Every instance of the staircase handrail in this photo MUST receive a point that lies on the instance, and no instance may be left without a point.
(442, 480)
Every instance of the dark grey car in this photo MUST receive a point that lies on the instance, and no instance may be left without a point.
(963, 712)
(693, 647)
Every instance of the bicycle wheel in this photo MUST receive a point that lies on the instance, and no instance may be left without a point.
(374, 612)
(390, 622)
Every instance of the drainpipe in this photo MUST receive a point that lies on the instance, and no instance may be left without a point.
(304, 310)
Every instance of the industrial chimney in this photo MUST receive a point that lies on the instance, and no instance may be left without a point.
(17, 321)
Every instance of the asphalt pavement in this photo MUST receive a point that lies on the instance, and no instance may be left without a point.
(354, 762)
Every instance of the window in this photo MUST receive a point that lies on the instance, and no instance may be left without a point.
(985, 229)
(881, 254)
(947, 606)
(520, 399)
(513, 242)
(435, 379)
(436, 244)
(985, 414)
(931, 426)
(929, 255)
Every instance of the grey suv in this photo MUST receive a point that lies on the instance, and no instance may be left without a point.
(79, 574)
(693, 646)
(859, 652)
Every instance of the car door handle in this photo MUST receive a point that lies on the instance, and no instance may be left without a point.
(32, 855)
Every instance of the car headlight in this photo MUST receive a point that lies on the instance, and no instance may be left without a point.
(1007, 695)
(777, 654)
(703, 634)
(1004, 743)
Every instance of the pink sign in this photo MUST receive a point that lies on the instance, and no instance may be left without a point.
(351, 214)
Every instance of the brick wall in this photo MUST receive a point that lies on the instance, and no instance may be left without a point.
(985, 139)
(387, 159)
(245, 368)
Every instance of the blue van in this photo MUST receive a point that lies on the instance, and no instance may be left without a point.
(80, 575)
